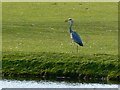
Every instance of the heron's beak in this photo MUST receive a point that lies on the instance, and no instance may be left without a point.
(66, 20)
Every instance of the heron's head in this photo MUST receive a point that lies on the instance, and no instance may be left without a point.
(69, 20)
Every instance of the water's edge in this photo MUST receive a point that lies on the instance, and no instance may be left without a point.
(50, 84)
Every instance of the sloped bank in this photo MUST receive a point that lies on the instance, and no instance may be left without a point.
(61, 65)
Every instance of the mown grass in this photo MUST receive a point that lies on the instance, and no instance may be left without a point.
(40, 27)
(36, 40)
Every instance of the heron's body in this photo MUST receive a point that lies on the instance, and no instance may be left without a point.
(74, 35)
(76, 38)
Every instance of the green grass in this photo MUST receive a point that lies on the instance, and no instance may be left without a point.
(38, 30)
(53, 65)
(40, 27)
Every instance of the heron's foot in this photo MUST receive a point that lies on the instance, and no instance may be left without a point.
(71, 44)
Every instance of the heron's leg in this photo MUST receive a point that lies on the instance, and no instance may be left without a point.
(77, 48)
(72, 44)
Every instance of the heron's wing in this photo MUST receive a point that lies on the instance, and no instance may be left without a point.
(77, 38)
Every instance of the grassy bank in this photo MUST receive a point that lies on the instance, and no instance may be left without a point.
(98, 66)
(36, 40)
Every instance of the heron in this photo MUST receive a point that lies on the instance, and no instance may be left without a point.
(74, 35)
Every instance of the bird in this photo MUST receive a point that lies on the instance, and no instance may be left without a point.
(74, 35)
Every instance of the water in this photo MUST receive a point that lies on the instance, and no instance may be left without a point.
(51, 84)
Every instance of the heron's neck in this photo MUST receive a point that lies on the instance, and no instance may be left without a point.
(70, 27)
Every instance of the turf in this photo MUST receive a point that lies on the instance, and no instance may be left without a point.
(36, 28)
(40, 27)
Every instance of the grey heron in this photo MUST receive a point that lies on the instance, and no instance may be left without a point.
(74, 35)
